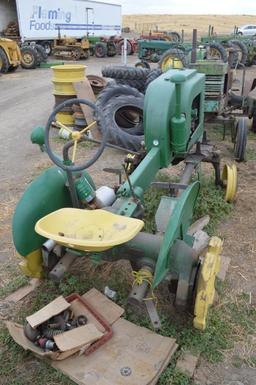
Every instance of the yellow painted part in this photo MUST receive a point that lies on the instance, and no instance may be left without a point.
(88, 230)
(171, 62)
(12, 50)
(32, 264)
(65, 89)
(229, 179)
(206, 282)
(69, 73)
(65, 118)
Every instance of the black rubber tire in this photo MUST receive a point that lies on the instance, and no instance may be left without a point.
(120, 45)
(41, 53)
(129, 138)
(33, 53)
(138, 84)
(114, 90)
(47, 45)
(100, 50)
(125, 73)
(175, 36)
(222, 52)
(241, 139)
(153, 75)
(111, 49)
(142, 64)
(235, 60)
(173, 52)
(254, 122)
(4, 62)
(243, 49)
(13, 68)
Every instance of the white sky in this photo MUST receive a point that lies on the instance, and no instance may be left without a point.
(228, 7)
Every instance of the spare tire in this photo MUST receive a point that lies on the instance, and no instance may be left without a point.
(153, 75)
(29, 57)
(124, 119)
(113, 90)
(125, 72)
(100, 50)
(134, 83)
(173, 58)
(216, 51)
(243, 50)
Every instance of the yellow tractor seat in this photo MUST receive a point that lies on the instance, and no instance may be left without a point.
(88, 230)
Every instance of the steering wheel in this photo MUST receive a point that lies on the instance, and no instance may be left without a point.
(75, 136)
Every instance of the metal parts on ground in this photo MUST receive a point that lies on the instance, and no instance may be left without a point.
(43, 335)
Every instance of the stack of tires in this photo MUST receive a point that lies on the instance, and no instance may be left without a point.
(122, 103)
(32, 56)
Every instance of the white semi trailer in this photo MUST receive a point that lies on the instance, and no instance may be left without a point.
(40, 21)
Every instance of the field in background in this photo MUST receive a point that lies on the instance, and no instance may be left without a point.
(221, 23)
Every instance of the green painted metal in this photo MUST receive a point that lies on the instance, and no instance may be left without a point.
(159, 108)
(176, 229)
(44, 195)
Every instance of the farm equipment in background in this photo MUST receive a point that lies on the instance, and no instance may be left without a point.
(71, 48)
(69, 217)
(244, 46)
(10, 55)
(224, 104)
(163, 35)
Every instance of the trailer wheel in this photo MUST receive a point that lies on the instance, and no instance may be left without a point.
(241, 139)
(100, 50)
(4, 62)
(47, 45)
(173, 58)
(128, 109)
(113, 90)
(216, 51)
(41, 53)
(28, 57)
(243, 51)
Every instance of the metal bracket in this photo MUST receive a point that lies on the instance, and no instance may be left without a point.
(153, 314)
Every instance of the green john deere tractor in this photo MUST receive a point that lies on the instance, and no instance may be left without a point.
(63, 216)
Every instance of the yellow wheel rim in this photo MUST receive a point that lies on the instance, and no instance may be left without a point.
(206, 282)
(214, 54)
(229, 179)
(171, 62)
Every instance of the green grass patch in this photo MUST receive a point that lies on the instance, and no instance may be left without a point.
(13, 285)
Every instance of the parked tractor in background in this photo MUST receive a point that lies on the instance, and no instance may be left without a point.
(71, 48)
(163, 35)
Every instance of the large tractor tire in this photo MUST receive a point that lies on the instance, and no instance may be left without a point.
(29, 57)
(100, 50)
(120, 47)
(216, 51)
(124, 119)
(125, 72)
(241, 139)
(243, 51)
(111, 49)
(142, 64)
(153, 75)
(174, 36)
(114, 90)
(173, 58)
(235, 54)
(134, 83)
(4, 62)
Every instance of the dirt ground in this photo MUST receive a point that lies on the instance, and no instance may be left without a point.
(221, 23)
(26, 101)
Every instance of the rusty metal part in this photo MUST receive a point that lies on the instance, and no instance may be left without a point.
(97, 83)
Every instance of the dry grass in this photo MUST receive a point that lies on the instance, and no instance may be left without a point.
(221, 23)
